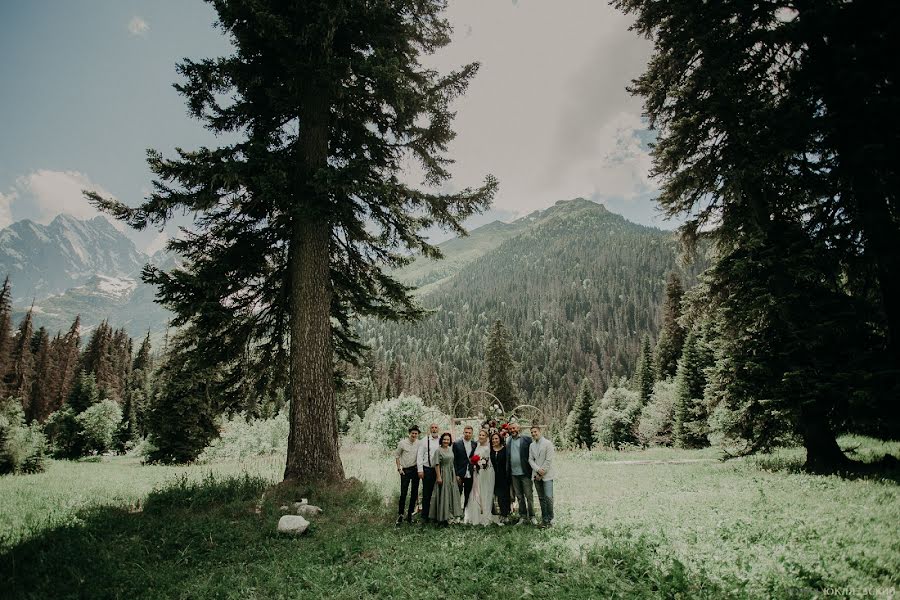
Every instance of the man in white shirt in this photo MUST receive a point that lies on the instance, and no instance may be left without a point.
(425, 464)
(406, 456)
(541, 454)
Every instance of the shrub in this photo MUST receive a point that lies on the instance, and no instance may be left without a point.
(22, 447)
(657, 417)
(98, 424)
(240, 437)
(388, 421)
(64, 434)
(616, 418)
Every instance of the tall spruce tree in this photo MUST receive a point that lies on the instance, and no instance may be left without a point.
(40, 403)
(579, 428)
(299, 220)
(690, 425)
(645, 375)
(65, 361)
(20, 371)
(672, 334)
(6, 337)
(499, 365)
(758, 151)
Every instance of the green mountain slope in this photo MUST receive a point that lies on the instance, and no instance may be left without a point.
(576, 286)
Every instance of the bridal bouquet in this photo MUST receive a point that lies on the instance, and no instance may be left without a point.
(479, 462)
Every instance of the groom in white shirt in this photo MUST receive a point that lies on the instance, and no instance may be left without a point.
(425, 465)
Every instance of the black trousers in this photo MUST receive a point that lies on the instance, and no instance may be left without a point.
(465, 489)
(409, 478)
(501, 490)
(430, 476)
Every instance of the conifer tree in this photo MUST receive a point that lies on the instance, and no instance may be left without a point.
(579, 428)
(20, 373)
(85, 393)
(39, 405)
(763, 151)
(645, 374)
(672, 334)
(690, 423)
(6, 337)
(499, 366)
(65, 361)
(181, 417)
(301, 217)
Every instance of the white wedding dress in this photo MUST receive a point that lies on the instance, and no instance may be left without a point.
(481, 499)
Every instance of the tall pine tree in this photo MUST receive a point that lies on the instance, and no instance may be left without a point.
(579, 429)
(690, 426)
(20, 371)
(645, 375)
(498, 366)
(672, 334)
(763, 150)
(39, 405)
(301, 217)
(6, 336)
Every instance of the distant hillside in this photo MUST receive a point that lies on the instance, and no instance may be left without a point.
(575, 285)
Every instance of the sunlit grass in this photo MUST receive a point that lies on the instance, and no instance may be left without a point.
(755, 527)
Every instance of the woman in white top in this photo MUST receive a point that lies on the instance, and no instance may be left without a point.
(478, 512)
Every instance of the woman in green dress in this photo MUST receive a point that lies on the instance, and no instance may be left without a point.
(445, 503)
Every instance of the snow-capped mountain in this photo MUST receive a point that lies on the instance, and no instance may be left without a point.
(44, 260)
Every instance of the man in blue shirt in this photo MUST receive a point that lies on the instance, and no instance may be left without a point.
(520, 473)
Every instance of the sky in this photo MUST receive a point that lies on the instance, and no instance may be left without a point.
(88, 89)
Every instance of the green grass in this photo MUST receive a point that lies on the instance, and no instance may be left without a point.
(753, 528)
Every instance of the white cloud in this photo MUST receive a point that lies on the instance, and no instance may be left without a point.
(138, 26)
(49, 193)
(6, 201)
(548, 113)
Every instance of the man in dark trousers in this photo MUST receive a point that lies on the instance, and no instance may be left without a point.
(425, 464)
(462, 457)
(406, 457)
(520, 472)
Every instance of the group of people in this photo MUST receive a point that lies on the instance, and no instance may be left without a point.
(476, 481)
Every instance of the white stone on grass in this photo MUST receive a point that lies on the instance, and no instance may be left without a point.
(307, 510)
(293, 524)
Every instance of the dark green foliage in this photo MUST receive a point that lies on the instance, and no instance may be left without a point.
(23, 447)
(766, 149)
(299, 217)
(6, 338)
(38, 407)
(672, 333)
(64, 434)
(690, 426)
(645, 375)
(85, 393)
(499, 366)
(20, 365)
(181, 419)
(579, 427)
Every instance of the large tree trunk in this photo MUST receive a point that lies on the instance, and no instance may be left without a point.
(823, 455)
(312, 455)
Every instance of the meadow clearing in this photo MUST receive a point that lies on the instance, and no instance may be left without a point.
(629, 524)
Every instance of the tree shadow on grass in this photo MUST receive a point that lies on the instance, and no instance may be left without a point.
(884, 468)
(217, 539)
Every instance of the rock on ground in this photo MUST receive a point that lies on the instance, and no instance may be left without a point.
(293, 524)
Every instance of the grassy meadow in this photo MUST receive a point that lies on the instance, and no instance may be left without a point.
(625, 528)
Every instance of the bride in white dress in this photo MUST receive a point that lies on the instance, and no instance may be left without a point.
(481, 499)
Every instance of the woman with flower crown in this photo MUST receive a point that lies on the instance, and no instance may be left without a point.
(481, 499)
